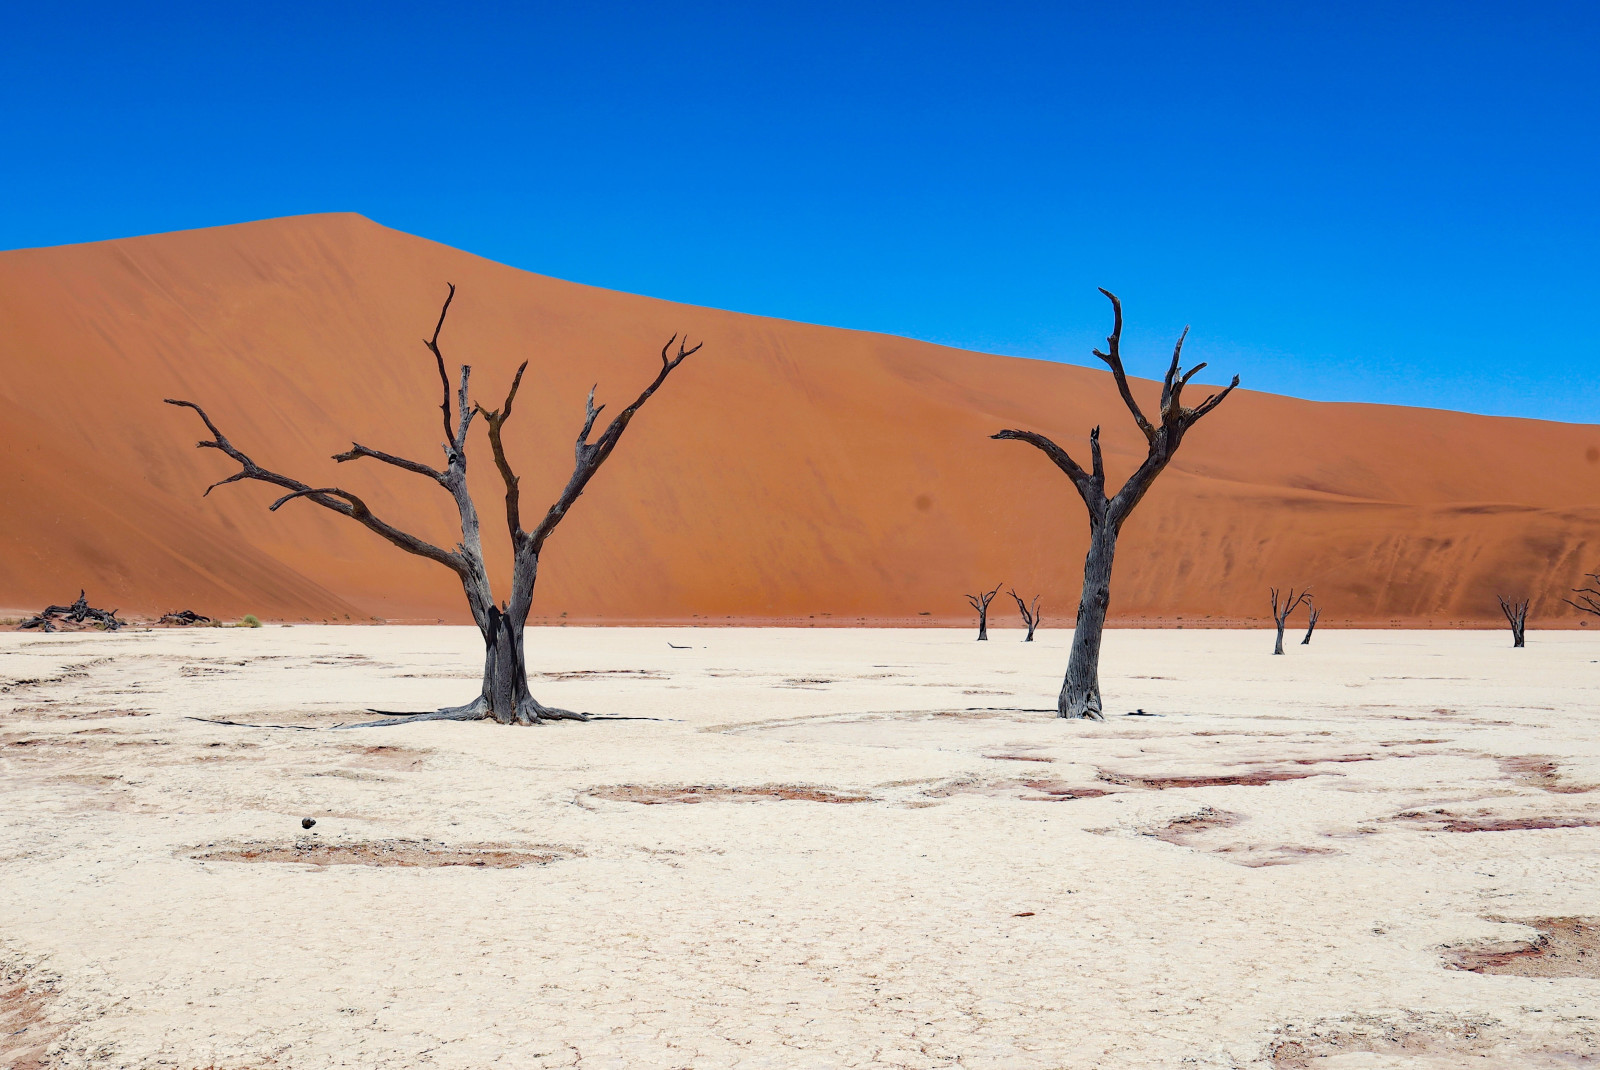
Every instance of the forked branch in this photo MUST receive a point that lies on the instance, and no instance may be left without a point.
(589, 456)
(496, 419)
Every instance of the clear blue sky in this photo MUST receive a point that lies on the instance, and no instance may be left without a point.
(1388, 202)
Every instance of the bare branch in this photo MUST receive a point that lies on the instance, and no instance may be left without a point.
(496, 419)
(357, 451)
(1171, 385)
(1193, 416)
(1113, 358)
(444, 377)
(1097, 462)
(327, 497)
(589, 456)
(1062, 461)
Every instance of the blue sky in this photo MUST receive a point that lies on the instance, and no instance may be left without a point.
(1375, 202)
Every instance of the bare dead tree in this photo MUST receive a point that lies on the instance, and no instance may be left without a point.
(1030, 616)
(980, 602)
(1517, 616)
(1282, 607)
(1311, 627)
(1080, 691)
(504, 694)
(1588, 597)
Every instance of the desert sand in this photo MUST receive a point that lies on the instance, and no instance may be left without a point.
(790, 473)
(825, 848)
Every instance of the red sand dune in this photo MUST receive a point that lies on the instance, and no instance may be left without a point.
(788, 472)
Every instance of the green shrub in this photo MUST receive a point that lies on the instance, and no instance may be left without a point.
(250, 621)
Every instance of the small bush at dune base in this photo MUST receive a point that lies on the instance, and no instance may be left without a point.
(250, 621)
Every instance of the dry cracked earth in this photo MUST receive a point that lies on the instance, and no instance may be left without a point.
(802, 848)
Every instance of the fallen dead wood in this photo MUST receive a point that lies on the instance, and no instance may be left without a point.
(183, 618)
(79, 614)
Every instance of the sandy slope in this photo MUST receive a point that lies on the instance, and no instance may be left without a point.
(790, 472)
(973, 913)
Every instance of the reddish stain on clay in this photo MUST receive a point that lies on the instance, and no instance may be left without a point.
(1055, 791)
(1260, 777)
(1566, 947)
(649, 796)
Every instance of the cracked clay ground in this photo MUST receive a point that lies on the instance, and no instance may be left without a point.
(833, 848)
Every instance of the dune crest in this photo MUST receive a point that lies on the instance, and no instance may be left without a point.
(794, 472)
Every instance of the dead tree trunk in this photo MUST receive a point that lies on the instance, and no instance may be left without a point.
(1311, 627)
(980, 602)
(504, 693)
(1517, 616)
(1030, 616)
(1282, 607)
(1080, 692)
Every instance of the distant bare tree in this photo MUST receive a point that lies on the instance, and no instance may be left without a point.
(1030, 616)
(504, 693)
(1315, 613)
(1080, 691)
(980, 602)
(1517, 616)
(1588, 597)
(1282, 607)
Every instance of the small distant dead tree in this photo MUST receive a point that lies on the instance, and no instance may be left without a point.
(1284, 605)
(1080, 691)
(980, 602)
(1588, 597)
(1315, 613)
(1517, 616)
(1030, 615)
(504, 693)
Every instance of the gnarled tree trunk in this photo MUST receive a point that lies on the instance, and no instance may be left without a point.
(1080, 692)
(1517, 616)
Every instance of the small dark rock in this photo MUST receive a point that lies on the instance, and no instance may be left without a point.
(307, 822)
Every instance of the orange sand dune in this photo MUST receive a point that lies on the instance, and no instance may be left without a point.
(787, 472)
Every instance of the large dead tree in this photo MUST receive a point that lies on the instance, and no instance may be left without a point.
(1282, 606)
(504, 695)
(980, 602)
(1080, 692)
(1030, 615)
(1516, 616)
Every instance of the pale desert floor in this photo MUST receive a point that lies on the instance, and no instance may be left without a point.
(933, 874)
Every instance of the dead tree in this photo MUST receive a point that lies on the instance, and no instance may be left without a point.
(504, 694)
(1588, 597)
(1517, 616)
(980, 602)
(1282, 607)
(1030, 616)
(1315, 613)
(1080, 692)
